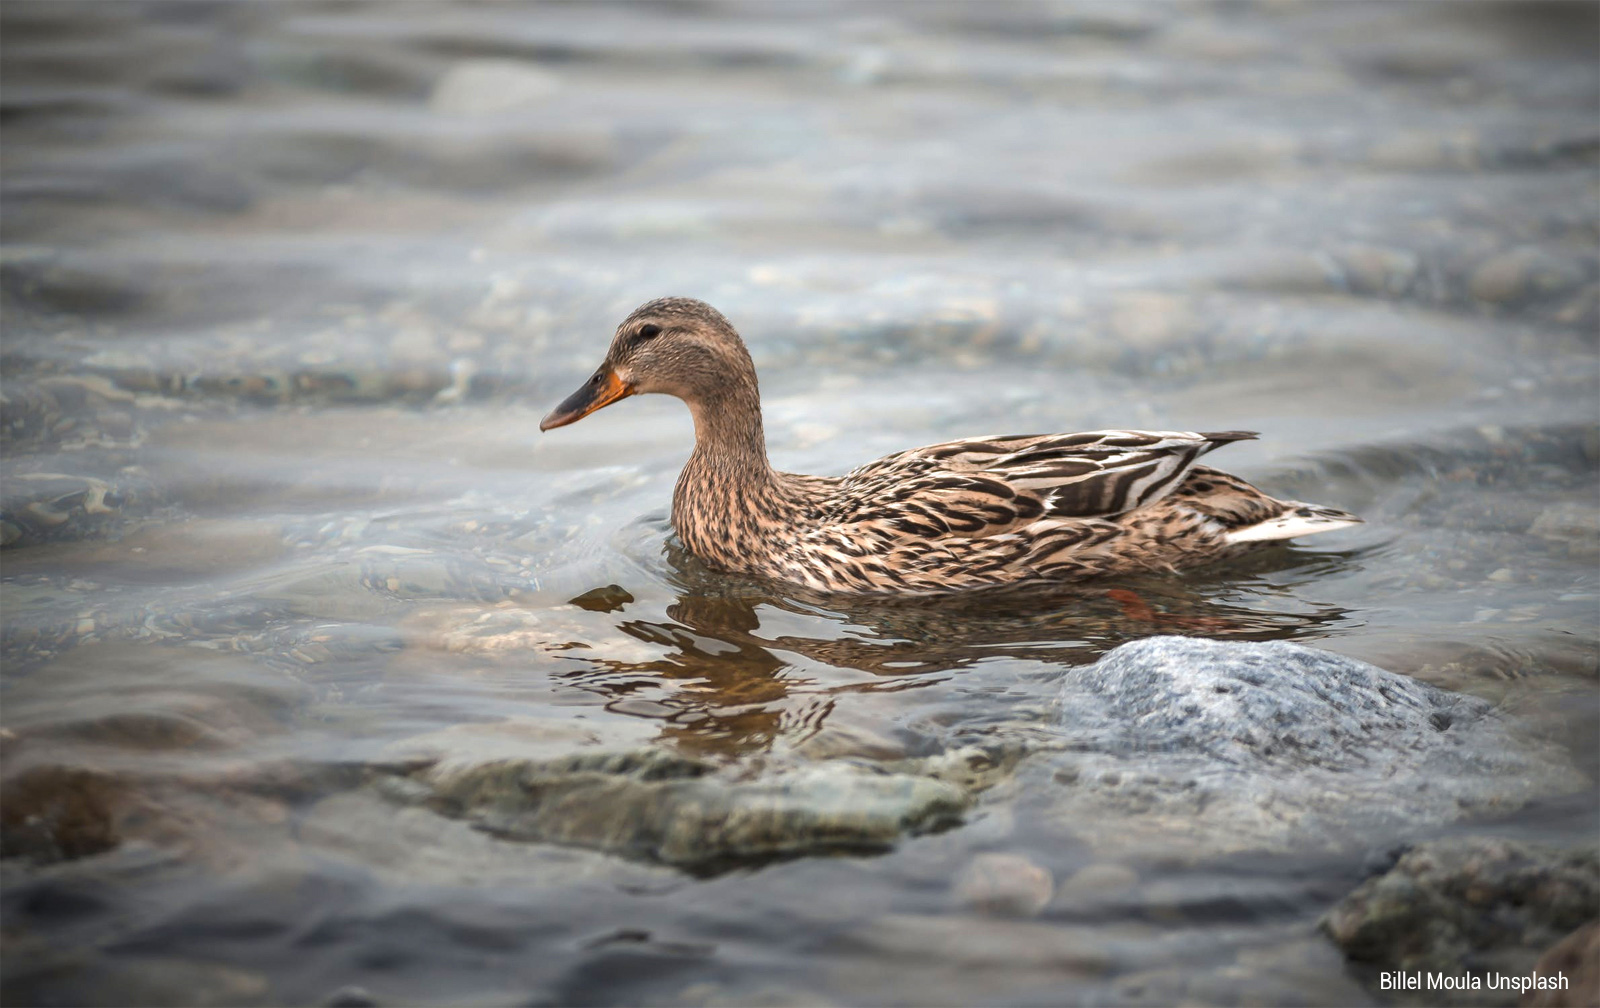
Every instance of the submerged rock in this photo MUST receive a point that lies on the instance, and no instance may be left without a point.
(1576, 957)
(1004, 885)
(655, 805)
(1474, 905)
(57, 813)
(1259, 745)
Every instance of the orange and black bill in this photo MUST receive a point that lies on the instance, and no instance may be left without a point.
(603, 389)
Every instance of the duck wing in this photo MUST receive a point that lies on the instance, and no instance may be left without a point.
(992, 485)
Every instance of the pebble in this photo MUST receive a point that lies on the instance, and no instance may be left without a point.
(487, 87)
(1004, 885)
(1512, 276)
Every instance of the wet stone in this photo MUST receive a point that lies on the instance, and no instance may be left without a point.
(1004, 885)
(1523, 273)
(1474, 904)
(54, 813)
(657, 806)
(1249, 746)
(483, 87)
(609, 598)
(1575, 525)
(38, 507)
(1378, 271)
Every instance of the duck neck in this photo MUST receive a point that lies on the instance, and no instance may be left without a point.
(729, 443)
(727, 488)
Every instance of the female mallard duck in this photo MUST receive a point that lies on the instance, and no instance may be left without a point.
(949, 517)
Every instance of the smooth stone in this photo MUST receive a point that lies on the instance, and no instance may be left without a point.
(1378, 270)
(1511, 276)
(1004, 885)
(489, 86)
(1251, 746)
(1574, 524)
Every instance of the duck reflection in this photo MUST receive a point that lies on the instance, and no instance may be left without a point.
(745, 678)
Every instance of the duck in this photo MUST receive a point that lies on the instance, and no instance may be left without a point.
(982, 512)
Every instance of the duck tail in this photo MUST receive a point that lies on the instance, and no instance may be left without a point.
(1216, 439)
(1296, 519)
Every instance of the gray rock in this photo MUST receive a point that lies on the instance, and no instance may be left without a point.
(1245, 746)
(651, 804)
(1473, 904)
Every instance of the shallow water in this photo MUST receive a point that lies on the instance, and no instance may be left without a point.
(288, 287)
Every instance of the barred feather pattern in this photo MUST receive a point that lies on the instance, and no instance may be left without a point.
(956, 516)
(986, 512)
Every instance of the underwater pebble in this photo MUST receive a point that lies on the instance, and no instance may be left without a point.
(1005, 885)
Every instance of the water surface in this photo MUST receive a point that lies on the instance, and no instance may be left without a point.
(288, 287)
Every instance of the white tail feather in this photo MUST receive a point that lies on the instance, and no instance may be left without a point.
(1288, 526)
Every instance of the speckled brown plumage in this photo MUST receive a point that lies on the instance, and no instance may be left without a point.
(948, 517)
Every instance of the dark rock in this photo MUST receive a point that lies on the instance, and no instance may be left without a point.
(53, 813)
(1475, 905)
(607, 598)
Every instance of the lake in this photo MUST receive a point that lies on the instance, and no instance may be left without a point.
(294, 589)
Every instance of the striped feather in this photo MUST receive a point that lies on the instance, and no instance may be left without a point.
(975, 513)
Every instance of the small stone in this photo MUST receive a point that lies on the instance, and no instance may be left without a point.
(1503, 575)
(1520, 273)
(608, 598)
(1500, 279)
(489, 86)
(1004, 885)
(1379, 270)
(1574, 523)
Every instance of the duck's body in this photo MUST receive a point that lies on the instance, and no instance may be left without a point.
(962, 515)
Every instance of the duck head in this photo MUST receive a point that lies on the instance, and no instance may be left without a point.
(677, 346)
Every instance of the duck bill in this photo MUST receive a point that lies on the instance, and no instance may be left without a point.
(602, 390)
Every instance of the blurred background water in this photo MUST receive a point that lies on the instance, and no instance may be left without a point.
(287, 288)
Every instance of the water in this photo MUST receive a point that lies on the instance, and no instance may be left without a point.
(288, 287)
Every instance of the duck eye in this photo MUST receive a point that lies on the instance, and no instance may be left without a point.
(647, 331)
